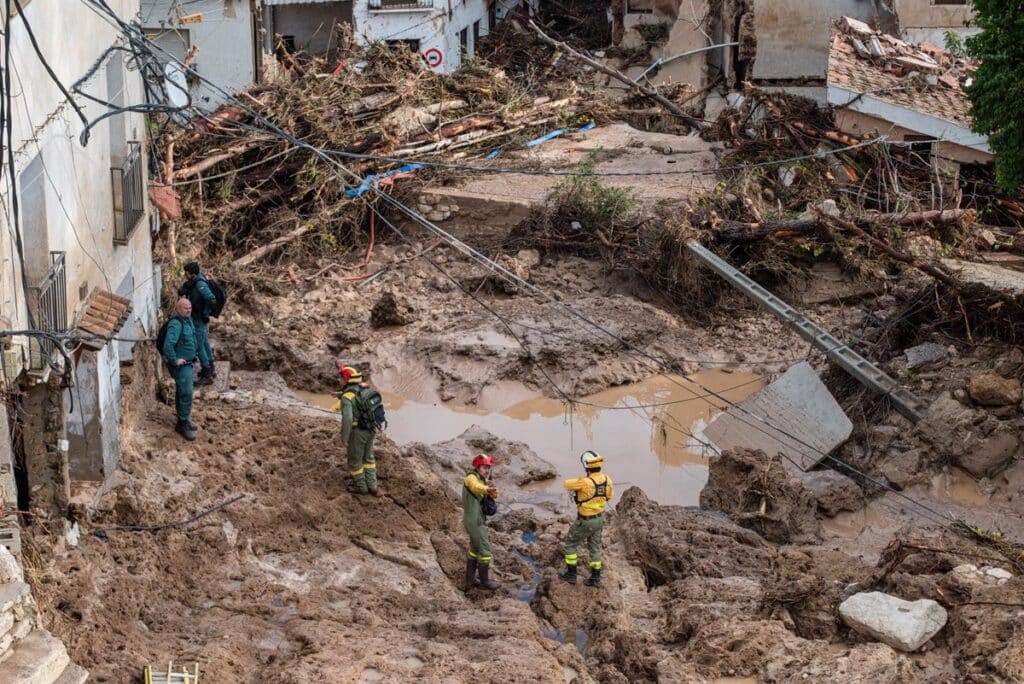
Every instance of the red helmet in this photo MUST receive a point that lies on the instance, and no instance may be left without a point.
(349, 374)
(482, 459)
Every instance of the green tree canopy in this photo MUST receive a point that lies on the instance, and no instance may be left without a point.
(997, 93)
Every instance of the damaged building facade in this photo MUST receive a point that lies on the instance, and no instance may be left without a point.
(77, 255)
(235, 44)
(772, 44)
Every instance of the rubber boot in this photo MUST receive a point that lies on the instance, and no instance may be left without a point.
(594, 580)
(471, 564)
(569, 575)
(485, 581)
(205, 377)
(185, 430)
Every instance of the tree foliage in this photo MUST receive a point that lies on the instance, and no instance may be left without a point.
(997, 93)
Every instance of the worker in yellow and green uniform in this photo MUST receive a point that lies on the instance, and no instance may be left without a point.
(477, 502)
(357, 437)
(591, 495)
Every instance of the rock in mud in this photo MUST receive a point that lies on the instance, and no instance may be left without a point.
(392, 308)
(904, 625)
(834, 491)
(971, 438)
(756, 492)
(924, 355)
(991, 389)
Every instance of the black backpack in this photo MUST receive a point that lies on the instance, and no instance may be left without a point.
(220, 296)
(161, 337)
(369, 409)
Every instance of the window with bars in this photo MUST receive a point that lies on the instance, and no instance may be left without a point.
(128, 184)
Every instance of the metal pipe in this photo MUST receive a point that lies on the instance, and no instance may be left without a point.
(662, 62)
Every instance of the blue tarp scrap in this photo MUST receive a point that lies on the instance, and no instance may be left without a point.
(558, 133)
(369, 181)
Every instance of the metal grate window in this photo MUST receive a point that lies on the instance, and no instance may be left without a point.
(50, 300)
(128, 185)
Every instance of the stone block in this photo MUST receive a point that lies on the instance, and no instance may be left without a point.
(39, 658)
(991, 389)
(904, 625)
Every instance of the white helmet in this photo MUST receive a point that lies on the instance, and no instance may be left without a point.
(591, 459)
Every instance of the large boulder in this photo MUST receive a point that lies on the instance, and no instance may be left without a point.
(904, 625)
(991, 389)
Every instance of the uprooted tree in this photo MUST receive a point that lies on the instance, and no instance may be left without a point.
(998, 88)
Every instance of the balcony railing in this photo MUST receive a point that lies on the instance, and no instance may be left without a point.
(129, 189)
(401, 4)
(50, 302)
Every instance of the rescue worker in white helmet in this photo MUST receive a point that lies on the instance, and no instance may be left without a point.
(478, 501)
(591, 495)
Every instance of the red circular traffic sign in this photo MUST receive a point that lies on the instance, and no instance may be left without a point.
(434, 57)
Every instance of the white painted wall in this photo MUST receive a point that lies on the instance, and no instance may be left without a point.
(224, 37)
(793, 35)
(75, 180)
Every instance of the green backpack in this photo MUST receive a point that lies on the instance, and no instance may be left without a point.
(369, 409)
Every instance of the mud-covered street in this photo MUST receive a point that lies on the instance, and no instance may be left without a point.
(301, 581)
(763, 273)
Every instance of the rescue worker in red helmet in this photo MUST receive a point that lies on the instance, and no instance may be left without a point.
(478, 495)
(591, 495)
(357, 439)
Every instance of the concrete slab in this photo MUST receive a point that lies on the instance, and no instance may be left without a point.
(798, 405)
(73, 674)
(497, 202)
(39, 658)
(999, 278)
(221, 382)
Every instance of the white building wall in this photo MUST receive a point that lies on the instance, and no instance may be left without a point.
(434, 29)
(793, 35)
(224, 35)
(74, 183)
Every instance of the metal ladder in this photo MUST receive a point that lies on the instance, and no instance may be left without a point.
(867, 373)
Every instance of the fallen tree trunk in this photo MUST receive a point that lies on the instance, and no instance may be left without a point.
(850, 227)
(743, 231)
(229, 153)
(272, 245)
(621, 77)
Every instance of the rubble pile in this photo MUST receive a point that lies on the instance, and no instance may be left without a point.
(246, 194)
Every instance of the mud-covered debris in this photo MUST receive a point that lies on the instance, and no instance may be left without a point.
(756, 492)
(833, 491)
(904, 625)
(991, 389)
(392, 308)
(971, 438)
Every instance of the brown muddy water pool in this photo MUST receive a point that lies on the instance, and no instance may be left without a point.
(650, 433)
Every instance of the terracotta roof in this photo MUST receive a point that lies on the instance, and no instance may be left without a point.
(924, 78)
(105, 315)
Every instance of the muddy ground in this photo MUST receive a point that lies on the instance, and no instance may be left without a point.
(300, 581)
